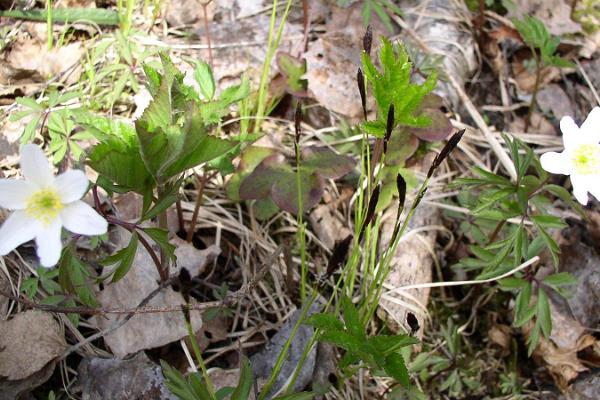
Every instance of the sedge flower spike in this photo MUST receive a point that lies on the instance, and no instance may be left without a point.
(43, 204)
(581, 157)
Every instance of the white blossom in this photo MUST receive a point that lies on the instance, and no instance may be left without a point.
(43, 204)
(581, 157)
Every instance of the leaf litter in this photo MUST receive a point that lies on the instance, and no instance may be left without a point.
(331, 63)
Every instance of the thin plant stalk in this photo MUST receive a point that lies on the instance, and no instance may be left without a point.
(163, 223)
(49, 23)
(281, 358)
(536, 87)
(207, 32)
(209, 386)
(272, 45)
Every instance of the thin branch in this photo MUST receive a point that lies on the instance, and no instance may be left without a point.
(228, 301)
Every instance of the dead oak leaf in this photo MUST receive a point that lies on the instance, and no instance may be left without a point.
(28, 342)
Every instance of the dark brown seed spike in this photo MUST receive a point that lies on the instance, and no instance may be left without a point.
(298, 121)
(360, 78)
(412, 322)
(368, 40)
(389, 127)
(370, 211)
(401, 185)
(451, 145)
(339, 255)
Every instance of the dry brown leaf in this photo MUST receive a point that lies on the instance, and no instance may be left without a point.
(553, 98)
(411, 264)
(500, 335)
(239, 47)
(30, 59)
(213, 331)
(562, 363)
(332, 62)
(328, 226)
(525, 78)
(29, 341)
(143, 331)
(539, 124)
(191, 258)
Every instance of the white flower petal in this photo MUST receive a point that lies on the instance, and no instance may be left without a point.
(35, 166)
(49, 245)
(16, 230)
(556, 163)
(71, 185)
(590, 129)
(580, 188)
(78, 217)
(142, 100)
(14, 194)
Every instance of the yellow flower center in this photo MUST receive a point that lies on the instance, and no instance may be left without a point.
(586, 159)
(44, 205)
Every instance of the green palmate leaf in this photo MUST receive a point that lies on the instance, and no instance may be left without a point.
(249, 160)
(293, 69)
(326, 162)
(118, 159)
(242, 392)
(197, 146)
(123, 258)
(392, 85)
(285, 192)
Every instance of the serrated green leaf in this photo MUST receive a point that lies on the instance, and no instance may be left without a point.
(560, 279)
(327, 322)
(512, 283)
(204, 76)
(543, 313)
(396, 368)
(351, 318)
(161, 237)
(123, 258)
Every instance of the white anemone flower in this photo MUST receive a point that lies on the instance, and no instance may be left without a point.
(581, 157)
(43, 204)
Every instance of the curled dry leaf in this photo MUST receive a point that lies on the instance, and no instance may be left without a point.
(29, 341)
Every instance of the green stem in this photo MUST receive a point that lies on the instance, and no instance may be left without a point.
(536, 87)
(272, 45)
(209, 386)
(163, 223)
(49, 23)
